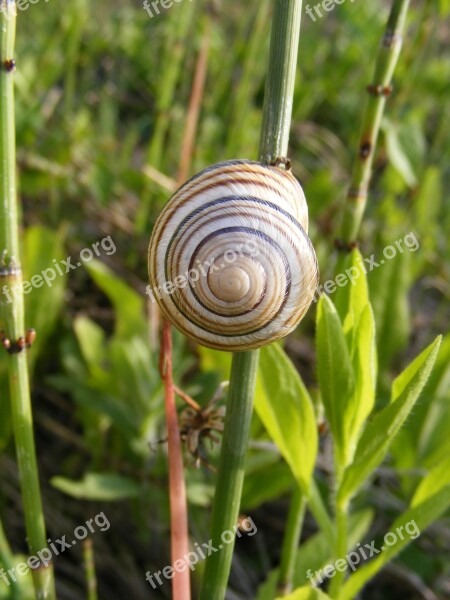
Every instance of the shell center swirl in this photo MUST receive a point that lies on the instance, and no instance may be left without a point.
(242, 282)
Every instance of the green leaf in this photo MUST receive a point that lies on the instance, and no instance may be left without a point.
(98, 486)
(379, 433)
(306, 593)
(91, 338)
(272, 479)
(128, 305)
(335, 373)
(364, 359)
(285, 408)
(358, 291)
(416, 373)
(433, 482)
(406, 528)
(424, 441)
(199, 493)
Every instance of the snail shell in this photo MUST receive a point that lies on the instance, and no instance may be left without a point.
(230, 263)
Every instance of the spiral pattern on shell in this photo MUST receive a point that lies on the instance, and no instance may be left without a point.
(230, 263)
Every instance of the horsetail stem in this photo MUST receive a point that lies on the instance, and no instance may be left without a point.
(274, 142)
(12, 313)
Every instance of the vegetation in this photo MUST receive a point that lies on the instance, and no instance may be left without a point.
(349, 436)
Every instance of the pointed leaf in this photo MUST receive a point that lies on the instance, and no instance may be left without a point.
(335, 374)
(433, 482)
(285, 408)
(379, 433)
(129, 306)
(364, 361)
(315, 553)
(405, 529)
(98, 486)
(358, 291)
(91, 338)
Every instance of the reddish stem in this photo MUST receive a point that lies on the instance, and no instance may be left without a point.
(198, 89)
(181, 589)
(178, 505)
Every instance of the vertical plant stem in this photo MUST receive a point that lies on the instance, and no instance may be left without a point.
(291, 541)
(274, 143)
(356, 200)
(89, 567)
(379, 90)
(12, 313)
(198, 88)
(179, 542)
(231, 472)
(280, 82)
(179, 528)
(341, 516)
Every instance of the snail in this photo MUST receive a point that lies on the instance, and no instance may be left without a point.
(230, 262)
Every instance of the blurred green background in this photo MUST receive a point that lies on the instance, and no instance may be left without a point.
(102, 92)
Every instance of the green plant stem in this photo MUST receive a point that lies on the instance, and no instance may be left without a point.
(341, 540)
(386, 62)
(280, 82)
(89, 567)
(291, 542)
(231, 472)
(12, 313)
(341, 547)
(274, 143)
(356, 200)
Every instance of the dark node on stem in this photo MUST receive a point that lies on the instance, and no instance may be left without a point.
(391, 38)
(20, 344)
(9, 65)
(282, 161)
(5, 341)
(323, 428)
(358, 193)
(30, 337)
(379, 90)
(365, 149)
(347, 247)
(8, 266)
